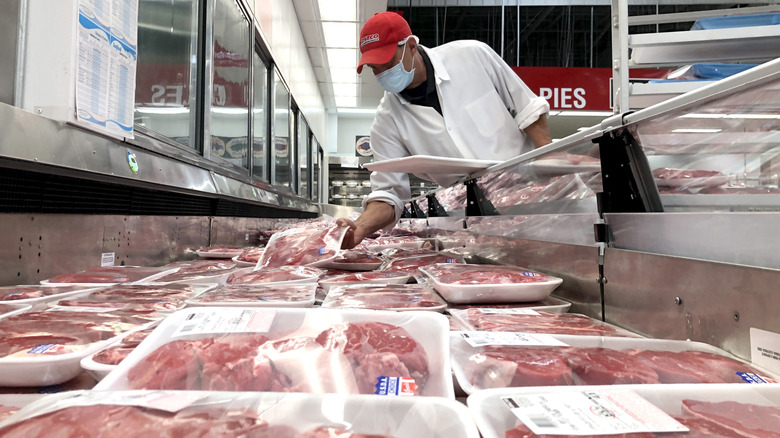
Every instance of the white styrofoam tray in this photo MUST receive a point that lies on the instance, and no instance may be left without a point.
(408, 417)
(494, 418)
(491, 293)
(549, 304)
(257, 295)
(461, 351)
(58, 291)
(400, 297)
(9, 309)
(429, 329)
(461, 315)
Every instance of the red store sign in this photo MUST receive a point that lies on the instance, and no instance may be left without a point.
(576, 88)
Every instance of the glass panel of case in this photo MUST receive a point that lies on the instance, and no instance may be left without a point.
(259, 118)
(282, 156)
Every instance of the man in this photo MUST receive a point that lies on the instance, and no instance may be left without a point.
(458, 100)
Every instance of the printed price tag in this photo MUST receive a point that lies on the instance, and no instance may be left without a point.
(603, 412)
(765, 349)
(234, 320)
(515, 311)
(108, 259)
(47, 349)
(481, 339)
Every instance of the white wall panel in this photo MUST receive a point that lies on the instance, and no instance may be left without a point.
(348, 129)
(278, 22)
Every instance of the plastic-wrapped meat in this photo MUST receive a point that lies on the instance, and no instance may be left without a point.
(501, 367)
(410, 264)
(484, 274)
(690, 178)
(109, 421)
(303, 246)
(364, 277)
(221, 249)
(274, 275)
(199, 270)
(747, 420)
(385, 297)
(336, 432)
(254, 293)
(14, 293)
(399, 253)
(130, 291)
(604, 366)
(378, 349)
(115, 354)
(6, 411)
(544, 322)
(136, 302)
(693, 366)
(522, 431)
(667, 173)
(109, 274)
(251, 255)
(357, 257)
(702, 428)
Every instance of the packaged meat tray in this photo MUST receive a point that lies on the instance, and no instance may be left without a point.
(303, 246)
(716, 410)
(398, 297)
(689, 178)
(532, 321)
(355, 261)
(249, 295)
(249, 257)
(285, 275)
(7, 310)
(411, 264)
(220, 251)
(292, 350)
(395, 242)
(102, 275)
(461, 283)
(45, 348)
(244, 414)
(549, 304)
(105, 360)
(483, 360)
(162, 298)
(198, 271)
(37, 295)
(376, 277)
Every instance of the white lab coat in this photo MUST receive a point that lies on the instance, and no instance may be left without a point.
(485, 107)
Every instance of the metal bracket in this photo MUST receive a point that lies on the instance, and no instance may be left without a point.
(601, 232)
(435, 209)
(405, 213)
(476, 202)
(628, 182)
(417, 212)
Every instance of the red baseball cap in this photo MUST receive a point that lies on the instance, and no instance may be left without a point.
(380, 36)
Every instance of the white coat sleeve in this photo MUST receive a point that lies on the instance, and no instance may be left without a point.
(526, 106)
(389, 187)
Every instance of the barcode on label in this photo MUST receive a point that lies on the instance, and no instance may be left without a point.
(541, 421)
(187, 328)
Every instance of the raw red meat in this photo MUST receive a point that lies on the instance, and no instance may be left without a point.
(522, 431)
(377, 349)
(336, 432)
(109, 421)
(453, 273)
(108, 274)
(112, 355)
(551, 323)
(198, 270)
(501, 367)
(13, 293)
(274, 275)
(218, 249)
(248, 293)
(302, 246)
(693, 366)
(251, 255)
(173, 365)
(356, 257)
(389, 297)
(363, 277)
(604, 366)
(748, 420)
(400, 253)
(6, 411)
(702, 428)
(410, 264)
(667, 173)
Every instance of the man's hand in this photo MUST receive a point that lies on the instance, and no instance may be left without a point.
(376, 216)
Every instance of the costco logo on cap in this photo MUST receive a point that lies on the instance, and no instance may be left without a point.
(369, 39)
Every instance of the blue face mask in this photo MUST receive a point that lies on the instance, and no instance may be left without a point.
(396, 79)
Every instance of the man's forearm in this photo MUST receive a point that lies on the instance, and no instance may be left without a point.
(539, 132)
(376, 216)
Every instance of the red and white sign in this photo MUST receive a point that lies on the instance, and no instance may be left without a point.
(576, 88)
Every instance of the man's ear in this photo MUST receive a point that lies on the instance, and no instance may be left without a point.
(411, 44)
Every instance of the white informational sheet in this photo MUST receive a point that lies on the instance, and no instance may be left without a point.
(106, 65)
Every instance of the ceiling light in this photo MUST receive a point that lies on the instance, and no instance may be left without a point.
(697, 130)
(340, 34)
(343, 75)
(366, 111)
(345, 89)
(346, 101)
(338, 10)
(342, 58)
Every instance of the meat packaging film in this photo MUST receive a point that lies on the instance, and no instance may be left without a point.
(102, 275)
(257, 295)
(499, 360)
(304, 246)
(375, 277)
(271, 415)
(286, 349)
(37, 295)
(399, 297)
(535, 321)
(463, 283)
(717, 410)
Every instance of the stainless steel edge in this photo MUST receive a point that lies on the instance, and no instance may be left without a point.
(338, 211)
(680, 298)
(741, 238)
